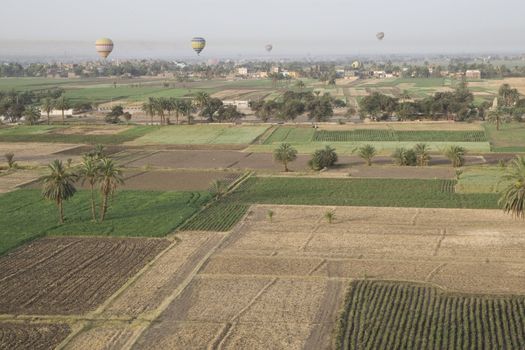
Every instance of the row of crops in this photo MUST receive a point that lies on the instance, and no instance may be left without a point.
(393, 315)
(224, 214)
(399, 135)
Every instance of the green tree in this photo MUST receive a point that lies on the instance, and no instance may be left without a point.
(89, 172)
(110, 176)
(329, 216)
(285, 154)
(323, 158)
(59, 186)
(32, 115)
(404, 157)
(422, 151)
(47, 106)
(218, 189)
(367, 152)
(495, 116)
(456, 155)
(513, 196)
(63, 104)
(149, 109)
(10, 159)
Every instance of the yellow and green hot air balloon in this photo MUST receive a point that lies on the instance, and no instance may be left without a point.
(198, 44)
(104, 47)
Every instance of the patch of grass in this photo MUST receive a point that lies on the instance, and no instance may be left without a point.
(42, 133)
(481, 179)
(290, 135)
(220, 216)
(202, 135)
(411, 316)
(25, 215)
(510, 137)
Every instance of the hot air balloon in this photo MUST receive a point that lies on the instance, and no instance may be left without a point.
(380, 35)
(104, 47)
(356, 65)
(269, 47)
(198, 44)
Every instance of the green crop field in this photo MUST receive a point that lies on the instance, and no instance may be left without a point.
(290, 135)
(223, 214)
(398, 135)
(45, 133)
(202, 134)
(482, 179)
(510, 137)
(25, 215)
(393, 315)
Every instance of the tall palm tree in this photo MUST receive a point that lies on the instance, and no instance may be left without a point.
(62, 103)
(513, 196)
(59, 186)
(367, 152)
(178, 108)
(32, 114)
(89, 172)
(110, 176)
(456, 154)
(201, 99)
(47, 106)
(494, 117)
(149, 109)
(285, 154)
(187, 108)
(422, 151)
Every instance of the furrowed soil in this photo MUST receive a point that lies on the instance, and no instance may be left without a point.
(31, 336)
(70, 275)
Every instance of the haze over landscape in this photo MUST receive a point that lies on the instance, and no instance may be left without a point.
(162, 28)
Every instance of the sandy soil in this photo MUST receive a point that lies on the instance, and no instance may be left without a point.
(86, 130)
(36, 153)
(12, 180)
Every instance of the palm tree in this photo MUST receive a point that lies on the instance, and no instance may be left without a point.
(109, 177)
(456, 154)
(89, 171)
(149, 109)
(367, 152)
(422, 151)
(300, 85)
(32, 114)
(513, 196)
(201, 99)
(158, 106)
(187, 107)
(285, 154)
(329, 216)
(48, 106)
(494, 117)
(59, 186)
(62, 103)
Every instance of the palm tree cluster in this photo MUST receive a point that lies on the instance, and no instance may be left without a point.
(513, 196)
(96, 169)
(163, 107)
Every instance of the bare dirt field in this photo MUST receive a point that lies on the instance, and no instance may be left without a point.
(93, 130)
(14, 179)
(220, 159)
(31, 336)
(70, 275)
(36, 153)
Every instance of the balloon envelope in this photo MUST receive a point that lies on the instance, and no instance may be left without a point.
(104, 47)
(198, 44)
(268, 47)
(380, 35)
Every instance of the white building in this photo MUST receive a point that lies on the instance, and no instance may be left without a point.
(242, 71)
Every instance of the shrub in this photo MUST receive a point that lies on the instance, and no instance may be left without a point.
(404, 157)
(323, 158)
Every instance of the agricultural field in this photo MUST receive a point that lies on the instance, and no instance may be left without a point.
(385, 139)
(70, 275)
(201, 135)
(92, 134)
(34, 336)
(130, 214)
(387, 315)
(476, 179)
(510, 137)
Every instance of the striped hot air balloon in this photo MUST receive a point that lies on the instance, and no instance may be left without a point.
(104, 47)
(380, 35)
(268, 47)
(198, 44)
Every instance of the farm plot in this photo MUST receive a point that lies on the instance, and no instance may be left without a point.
(385, 315)
(280, 283)
(31, 336)
(36, 153)
(14, 179)
(397, 135)
(202, 135)
(70, 275)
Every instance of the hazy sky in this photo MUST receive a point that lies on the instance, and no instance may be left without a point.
(243, 27)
